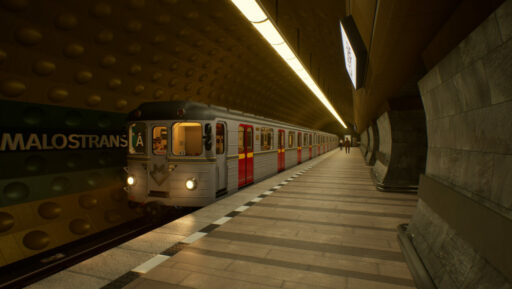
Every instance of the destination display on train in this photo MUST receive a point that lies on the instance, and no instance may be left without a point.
(22, 141)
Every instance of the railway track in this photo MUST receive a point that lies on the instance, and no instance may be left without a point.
(35, 268)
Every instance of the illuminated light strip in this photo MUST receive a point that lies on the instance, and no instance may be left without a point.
(252, 10)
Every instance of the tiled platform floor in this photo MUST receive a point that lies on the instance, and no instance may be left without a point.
(112, 269)
(327, 228)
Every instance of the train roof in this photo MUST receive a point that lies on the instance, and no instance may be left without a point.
(190, 110)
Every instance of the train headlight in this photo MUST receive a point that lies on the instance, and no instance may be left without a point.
(191, 184)
(130, 180)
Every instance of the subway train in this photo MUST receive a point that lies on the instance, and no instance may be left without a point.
(188, 154)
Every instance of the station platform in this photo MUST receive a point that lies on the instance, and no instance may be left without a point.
(321, 224)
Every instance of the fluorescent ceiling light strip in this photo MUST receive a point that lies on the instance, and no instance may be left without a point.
(295, 64)
(251, 10)
(259, 19)
(285, 51)
(269, 32)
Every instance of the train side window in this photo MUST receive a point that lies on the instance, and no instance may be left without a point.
(219, 139)
(249, 139)
(241, 140)
(159, 140)
(291, 137)
(299, 140)
(267, 134)
(310, 139)
(187, 139)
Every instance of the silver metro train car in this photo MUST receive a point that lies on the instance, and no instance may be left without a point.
(188, 154)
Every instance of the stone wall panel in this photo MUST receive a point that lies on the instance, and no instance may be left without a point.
(483, 39)
(504, 18)
(364, 142)
(473, 87)
(502, 181)
(450, 65)
(498, 66)
(445, 100)
(469, 128)
(402, 148)
(373, 145)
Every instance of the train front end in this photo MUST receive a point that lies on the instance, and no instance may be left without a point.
(170, 163)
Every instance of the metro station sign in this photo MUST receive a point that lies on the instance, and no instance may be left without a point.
(353, 50)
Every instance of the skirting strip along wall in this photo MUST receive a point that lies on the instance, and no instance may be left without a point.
(489, 232)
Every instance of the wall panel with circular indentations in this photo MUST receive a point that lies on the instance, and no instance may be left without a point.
(70, 71)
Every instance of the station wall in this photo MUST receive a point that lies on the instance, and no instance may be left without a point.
(462, 226)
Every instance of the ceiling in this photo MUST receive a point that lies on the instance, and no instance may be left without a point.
(114, 55)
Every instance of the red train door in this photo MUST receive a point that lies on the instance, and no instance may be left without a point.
(280, 151)
(310, 142)
(245, 155)
(299, 147)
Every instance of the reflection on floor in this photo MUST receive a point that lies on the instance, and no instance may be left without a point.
(319, 225)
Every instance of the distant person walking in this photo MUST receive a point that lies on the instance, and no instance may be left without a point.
(346, 143)
(341, 145)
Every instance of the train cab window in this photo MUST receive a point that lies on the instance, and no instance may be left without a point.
(137, 138)
(219, 139)
(291, 138)
(187, 139)
(159, 140)
(267, 134)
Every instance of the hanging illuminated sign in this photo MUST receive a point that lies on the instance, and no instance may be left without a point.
(353, 50)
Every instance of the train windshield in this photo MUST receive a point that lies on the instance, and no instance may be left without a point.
(187, 139)
(160, 140)
(137, 138)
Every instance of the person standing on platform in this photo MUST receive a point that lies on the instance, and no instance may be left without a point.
(341, 144)
(346, 143)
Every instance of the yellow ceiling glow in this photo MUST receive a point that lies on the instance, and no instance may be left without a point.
(252, 10)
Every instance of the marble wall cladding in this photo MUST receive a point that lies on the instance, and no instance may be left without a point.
(467, 99)
(451, 261)
(504, 17)
(468, 104)
(498, 65)
(373, 144)
(402, 148)
(364, 142)
(385, 135)
(501, 182)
